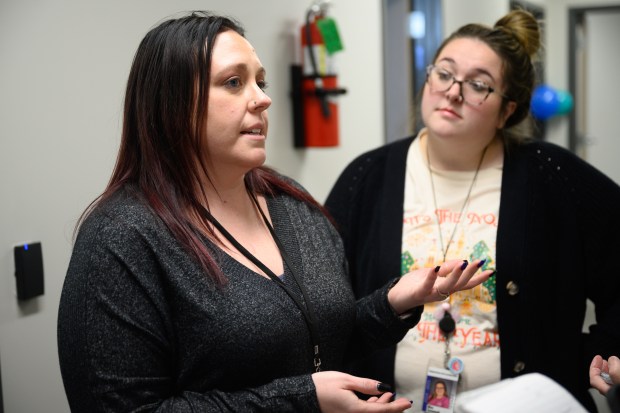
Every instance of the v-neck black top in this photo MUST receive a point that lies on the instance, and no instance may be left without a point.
(142, 328)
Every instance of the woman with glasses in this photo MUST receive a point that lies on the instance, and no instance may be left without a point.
(474, 184)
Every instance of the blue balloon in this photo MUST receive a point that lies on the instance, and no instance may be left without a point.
(545, 102)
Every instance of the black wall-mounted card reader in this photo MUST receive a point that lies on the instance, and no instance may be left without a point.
(29, 270)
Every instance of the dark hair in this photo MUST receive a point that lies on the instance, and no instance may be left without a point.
(161, 152)
(516, 39)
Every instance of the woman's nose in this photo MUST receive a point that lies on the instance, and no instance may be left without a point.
(455, 92)
(261, 101)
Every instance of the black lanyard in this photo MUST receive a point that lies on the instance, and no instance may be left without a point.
(306, 310)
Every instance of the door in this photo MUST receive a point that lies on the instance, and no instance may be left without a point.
(597, 89)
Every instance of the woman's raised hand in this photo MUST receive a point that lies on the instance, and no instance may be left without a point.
(435, 284)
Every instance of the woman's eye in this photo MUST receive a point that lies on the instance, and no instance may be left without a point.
(233, 82)
(262, 84)
(444, 75)
(478, 86)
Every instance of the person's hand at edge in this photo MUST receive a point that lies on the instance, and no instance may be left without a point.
(600, 365)
(336, 394)
(426, 285)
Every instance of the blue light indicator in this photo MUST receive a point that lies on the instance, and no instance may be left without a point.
(417, 25)
(25, 247)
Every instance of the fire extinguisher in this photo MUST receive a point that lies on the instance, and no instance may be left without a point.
(314, 82)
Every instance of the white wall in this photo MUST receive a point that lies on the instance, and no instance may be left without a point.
(459, 12)
(63, 69)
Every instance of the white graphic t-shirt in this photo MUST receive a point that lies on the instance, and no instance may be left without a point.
(476, 339)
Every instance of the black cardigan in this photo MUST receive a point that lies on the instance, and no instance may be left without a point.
(558, 233)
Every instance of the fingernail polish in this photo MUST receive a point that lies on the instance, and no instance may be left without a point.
(464, 265)
(437, 268)
(481, 263)
(382, 387)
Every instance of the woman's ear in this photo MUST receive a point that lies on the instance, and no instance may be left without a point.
(509, 109)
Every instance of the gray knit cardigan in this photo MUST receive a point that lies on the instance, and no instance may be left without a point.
(142, 328)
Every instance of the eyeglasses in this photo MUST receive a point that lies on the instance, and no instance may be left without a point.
(474, 92)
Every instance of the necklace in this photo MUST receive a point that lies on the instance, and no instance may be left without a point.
(444, 250)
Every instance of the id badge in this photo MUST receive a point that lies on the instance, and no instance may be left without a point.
(440, 390)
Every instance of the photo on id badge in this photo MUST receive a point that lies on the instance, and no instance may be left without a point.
(440, 391)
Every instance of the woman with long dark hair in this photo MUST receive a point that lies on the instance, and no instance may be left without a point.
(202, 281)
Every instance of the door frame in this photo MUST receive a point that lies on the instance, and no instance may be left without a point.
(575, 18)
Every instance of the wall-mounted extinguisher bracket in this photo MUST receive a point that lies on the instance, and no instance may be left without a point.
(314, 82)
